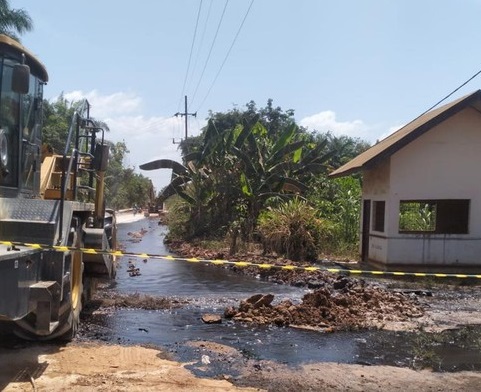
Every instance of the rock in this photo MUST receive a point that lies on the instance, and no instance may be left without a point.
(265, 300)
(353, 305)
(340, 283)
(253, 299)
(315, 284)
(255, 302)
(230, 312)
(211, 318)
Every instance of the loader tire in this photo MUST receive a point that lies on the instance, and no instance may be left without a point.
(69, 320)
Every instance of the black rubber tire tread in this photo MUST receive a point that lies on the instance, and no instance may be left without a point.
(70, 319)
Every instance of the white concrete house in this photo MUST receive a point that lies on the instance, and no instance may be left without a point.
(422, 191)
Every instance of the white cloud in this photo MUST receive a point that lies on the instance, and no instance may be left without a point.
(326, 121)
(119, 103)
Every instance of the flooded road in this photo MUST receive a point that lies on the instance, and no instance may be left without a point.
(199, 282)
(209, 289)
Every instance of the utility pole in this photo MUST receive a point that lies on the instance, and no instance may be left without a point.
(185, 114)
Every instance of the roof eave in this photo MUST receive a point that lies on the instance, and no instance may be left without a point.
(414, 134)
(344, 173)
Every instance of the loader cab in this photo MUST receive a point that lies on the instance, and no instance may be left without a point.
(22, 78)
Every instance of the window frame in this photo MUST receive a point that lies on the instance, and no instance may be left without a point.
(378, 216)
(445, 210)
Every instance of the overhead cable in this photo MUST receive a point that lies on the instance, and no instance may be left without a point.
(226, 56)
(210, 50)
(201, 44)
(447, 96)
(191, 51)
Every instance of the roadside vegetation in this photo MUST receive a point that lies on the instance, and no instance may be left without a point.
(253, 177)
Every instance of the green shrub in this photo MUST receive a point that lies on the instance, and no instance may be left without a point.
(177, 218)
(339, 201)
(294, 230)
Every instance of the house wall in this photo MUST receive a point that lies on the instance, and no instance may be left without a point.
(444, 163)
(376, 188)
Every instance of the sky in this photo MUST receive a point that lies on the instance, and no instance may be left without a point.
(349, 67)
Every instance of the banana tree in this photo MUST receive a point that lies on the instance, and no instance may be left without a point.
(231, 175)
(273, 168)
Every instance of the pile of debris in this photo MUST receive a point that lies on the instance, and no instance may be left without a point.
(337, 302)
(343, 304)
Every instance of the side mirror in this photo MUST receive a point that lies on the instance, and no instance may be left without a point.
(101, 157)
(21, 78)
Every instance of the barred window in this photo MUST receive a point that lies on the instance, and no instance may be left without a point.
(434, 216)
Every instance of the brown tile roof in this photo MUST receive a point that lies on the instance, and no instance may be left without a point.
(394, 142)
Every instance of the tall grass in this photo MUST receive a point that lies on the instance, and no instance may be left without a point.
(294, 230)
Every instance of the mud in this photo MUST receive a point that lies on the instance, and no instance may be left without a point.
(342, 304)
(84, 365)
(104, 299)
(337, 302)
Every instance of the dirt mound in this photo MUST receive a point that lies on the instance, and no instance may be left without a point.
(343, 303)
(337, 302)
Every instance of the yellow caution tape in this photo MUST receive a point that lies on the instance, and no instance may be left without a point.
(120, 253)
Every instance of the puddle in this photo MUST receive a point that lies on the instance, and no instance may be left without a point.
(452, 350)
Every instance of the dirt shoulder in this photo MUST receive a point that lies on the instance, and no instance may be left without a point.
(87, 367)
(127, 216)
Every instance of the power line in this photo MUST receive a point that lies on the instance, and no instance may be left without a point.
(227, 55)
(191, 51)
(447, 96)
(210, 50)
(201, 44)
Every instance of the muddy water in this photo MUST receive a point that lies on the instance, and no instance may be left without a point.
(208, 289)
(199, 282)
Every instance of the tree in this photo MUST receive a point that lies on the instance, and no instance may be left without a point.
(274, 119)
(338, 201)
(247, 162)
(230, 175)
(344, 148)
(115, 170)
(57, 116)
(13, 21)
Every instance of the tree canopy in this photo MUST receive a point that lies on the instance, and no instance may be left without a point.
(247, 161)
(14, 21)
